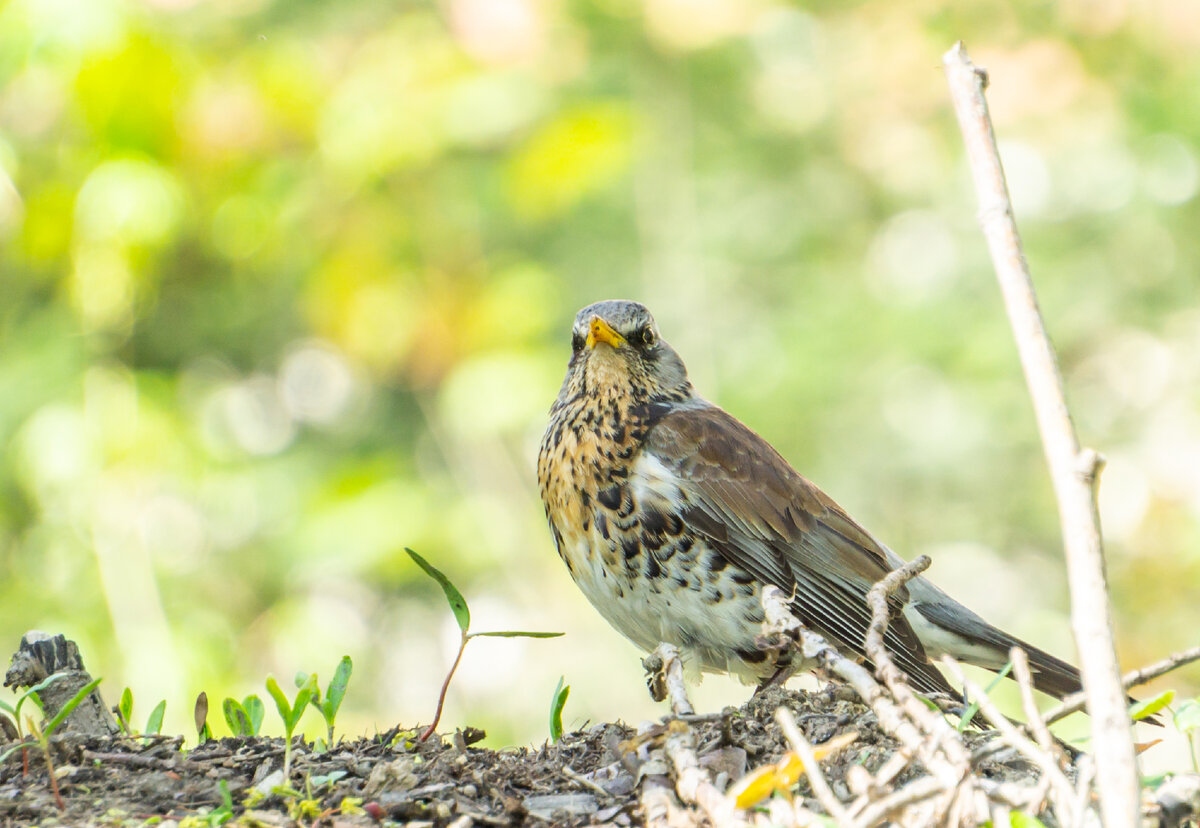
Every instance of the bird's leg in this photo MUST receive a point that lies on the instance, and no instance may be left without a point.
(777, 679)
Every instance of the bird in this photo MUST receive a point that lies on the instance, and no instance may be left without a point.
(672, 516)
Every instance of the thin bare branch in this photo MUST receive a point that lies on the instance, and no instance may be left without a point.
(1149, 673)
(812, 769)
(1061, 787)
(1072, 469)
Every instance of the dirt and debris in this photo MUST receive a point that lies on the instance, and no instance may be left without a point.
(589, 777)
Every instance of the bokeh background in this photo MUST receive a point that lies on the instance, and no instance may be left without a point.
(286, 287)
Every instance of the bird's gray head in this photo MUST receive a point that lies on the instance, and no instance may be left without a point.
(617, 352)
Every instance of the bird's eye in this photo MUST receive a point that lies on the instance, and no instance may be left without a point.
(644, 337)
(577, 342)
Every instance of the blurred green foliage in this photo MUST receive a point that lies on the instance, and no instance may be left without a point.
(287, 285)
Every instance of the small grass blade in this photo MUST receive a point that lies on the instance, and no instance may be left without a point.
(515, 634)
(458, 604)
(968, 715)
(32, 692)
(154, 723)
(62, 714)
(557, 702)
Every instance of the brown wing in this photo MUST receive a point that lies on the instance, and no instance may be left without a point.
(763, 517)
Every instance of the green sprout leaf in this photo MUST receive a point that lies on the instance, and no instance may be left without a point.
(236, 717)
(515, 634)
(557, 702)
(255, 710)
(67, 708)
(1187, 717)
(968, 715)
(1020, 819)
(458, 604)
(32, 693)
(125, 709)
(337, 686)
(281, 701)
(154, 723)
(291, 713)
(1148, 707)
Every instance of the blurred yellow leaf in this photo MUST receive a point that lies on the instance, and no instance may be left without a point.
(572, 156)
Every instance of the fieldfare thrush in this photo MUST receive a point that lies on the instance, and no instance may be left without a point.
(672, 516)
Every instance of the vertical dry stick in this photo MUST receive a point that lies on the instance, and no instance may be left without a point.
(1073, 470)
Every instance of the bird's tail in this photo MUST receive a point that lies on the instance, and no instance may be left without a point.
(964, 635)
(969, 638)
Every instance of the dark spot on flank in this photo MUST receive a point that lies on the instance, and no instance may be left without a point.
(741, 577)
(716, 563)
(602, 525)
(610, 497)
(653, 570)
(631, 548)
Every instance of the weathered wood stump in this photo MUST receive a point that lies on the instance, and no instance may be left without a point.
(42, 655)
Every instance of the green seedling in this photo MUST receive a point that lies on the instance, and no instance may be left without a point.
(200, 714)
(290, 713)
(557, 702)
(968, 715)
(223, 812)
(1187, 722)
(155, 719)
(124, 711)
(462, 614)
(13, 712)
(43, 733)
(328, 705)
(245, 717)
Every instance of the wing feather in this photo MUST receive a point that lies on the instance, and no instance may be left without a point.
(764, 518)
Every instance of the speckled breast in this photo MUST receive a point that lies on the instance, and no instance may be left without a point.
(615, 513)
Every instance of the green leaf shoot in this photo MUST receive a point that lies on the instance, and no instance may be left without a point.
(1148, 707)
(1187, 717)
(155, 720)
(557, 702)
(125, 710)
(458, 604)
(70, 706)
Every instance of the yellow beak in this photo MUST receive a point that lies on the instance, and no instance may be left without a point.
(601, 331)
